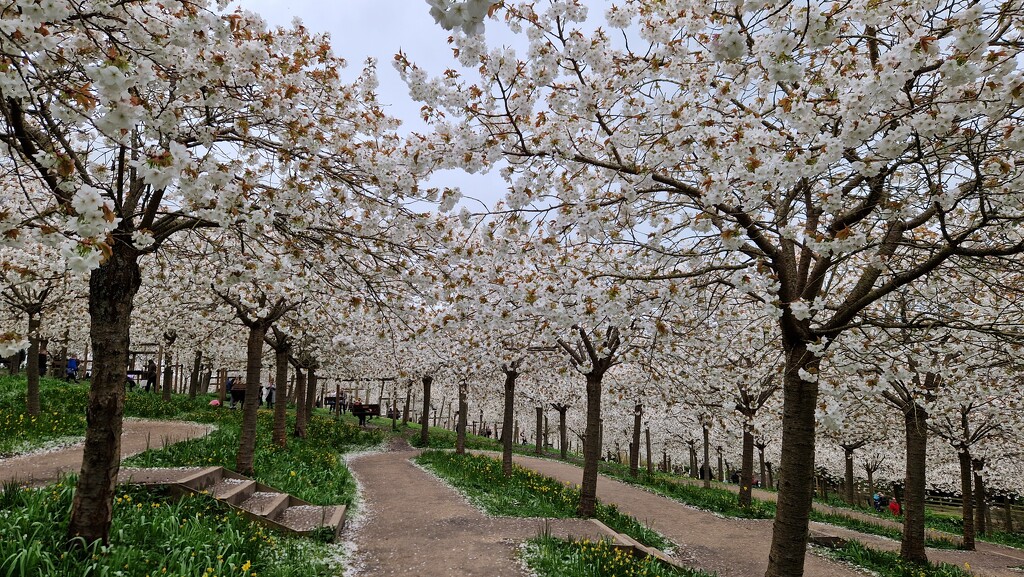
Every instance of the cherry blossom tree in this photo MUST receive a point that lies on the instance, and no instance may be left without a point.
(722, 129)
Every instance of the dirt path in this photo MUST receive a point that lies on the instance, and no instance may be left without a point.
(731, 547)
(137, 436)
(415, 525)
(740, 547)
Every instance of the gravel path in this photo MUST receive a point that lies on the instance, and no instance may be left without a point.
(137, 435)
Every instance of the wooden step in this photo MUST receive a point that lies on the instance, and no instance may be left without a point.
(266, 504)
(233, 491)
(305, 519)
(202, 478)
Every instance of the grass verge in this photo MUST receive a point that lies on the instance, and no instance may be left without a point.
(526, 493)
(550, 557)
(726, 503)
(194, 536)
(890, 564)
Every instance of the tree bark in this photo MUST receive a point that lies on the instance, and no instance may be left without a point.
(300, 403)
(980, 519)
(650, 465)
(760, 458)
(705, 468)
(796, 487)
(425, 417)
(539, 440)
(32, 368)
(747, 468)
(591, 446)
(634, 446)
(251, 404)
(112, 289)
(563, 436)
(408, 400)
(460, 436)
(196, 376)
(508, 414)
(280, 435)
(851, 494)
(168, 376)
(721, 469)
(912, 545)
(311, 389)
(964, 456)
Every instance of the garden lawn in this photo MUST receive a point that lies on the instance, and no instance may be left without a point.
(525, 493)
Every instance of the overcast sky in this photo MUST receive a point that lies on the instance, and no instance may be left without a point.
(380, 28)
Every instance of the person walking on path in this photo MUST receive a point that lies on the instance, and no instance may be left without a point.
(151, 375)
(71, 371)
(271, 388)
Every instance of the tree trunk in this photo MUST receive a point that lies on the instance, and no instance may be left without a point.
(251, 404)
(796, 488)
(280, 435)
(539, 440)
(912, 545)
(300, 403)
(851, 494)
(693, 462)
(980, 519)
(634, 446)
(196, 376)
(311, 389)
(112, 288)
(721, 469)
(591, 447)
(871, 482)
(1007, 514)
(747, 468)
(760, 458)
(705, 468)
(964, 456)
(650, 465)
(508, 414)
(460, 442)
(32, 368)
(408, 401)
(425, 417)
(168, 376)
(563, 437)
(771, 475)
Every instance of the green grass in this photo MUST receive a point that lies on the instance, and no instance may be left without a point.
(890, 564)
(310, 469)
(62, 415)
(151, 536)
(526, 493)
(550, 557)
(726, 503)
